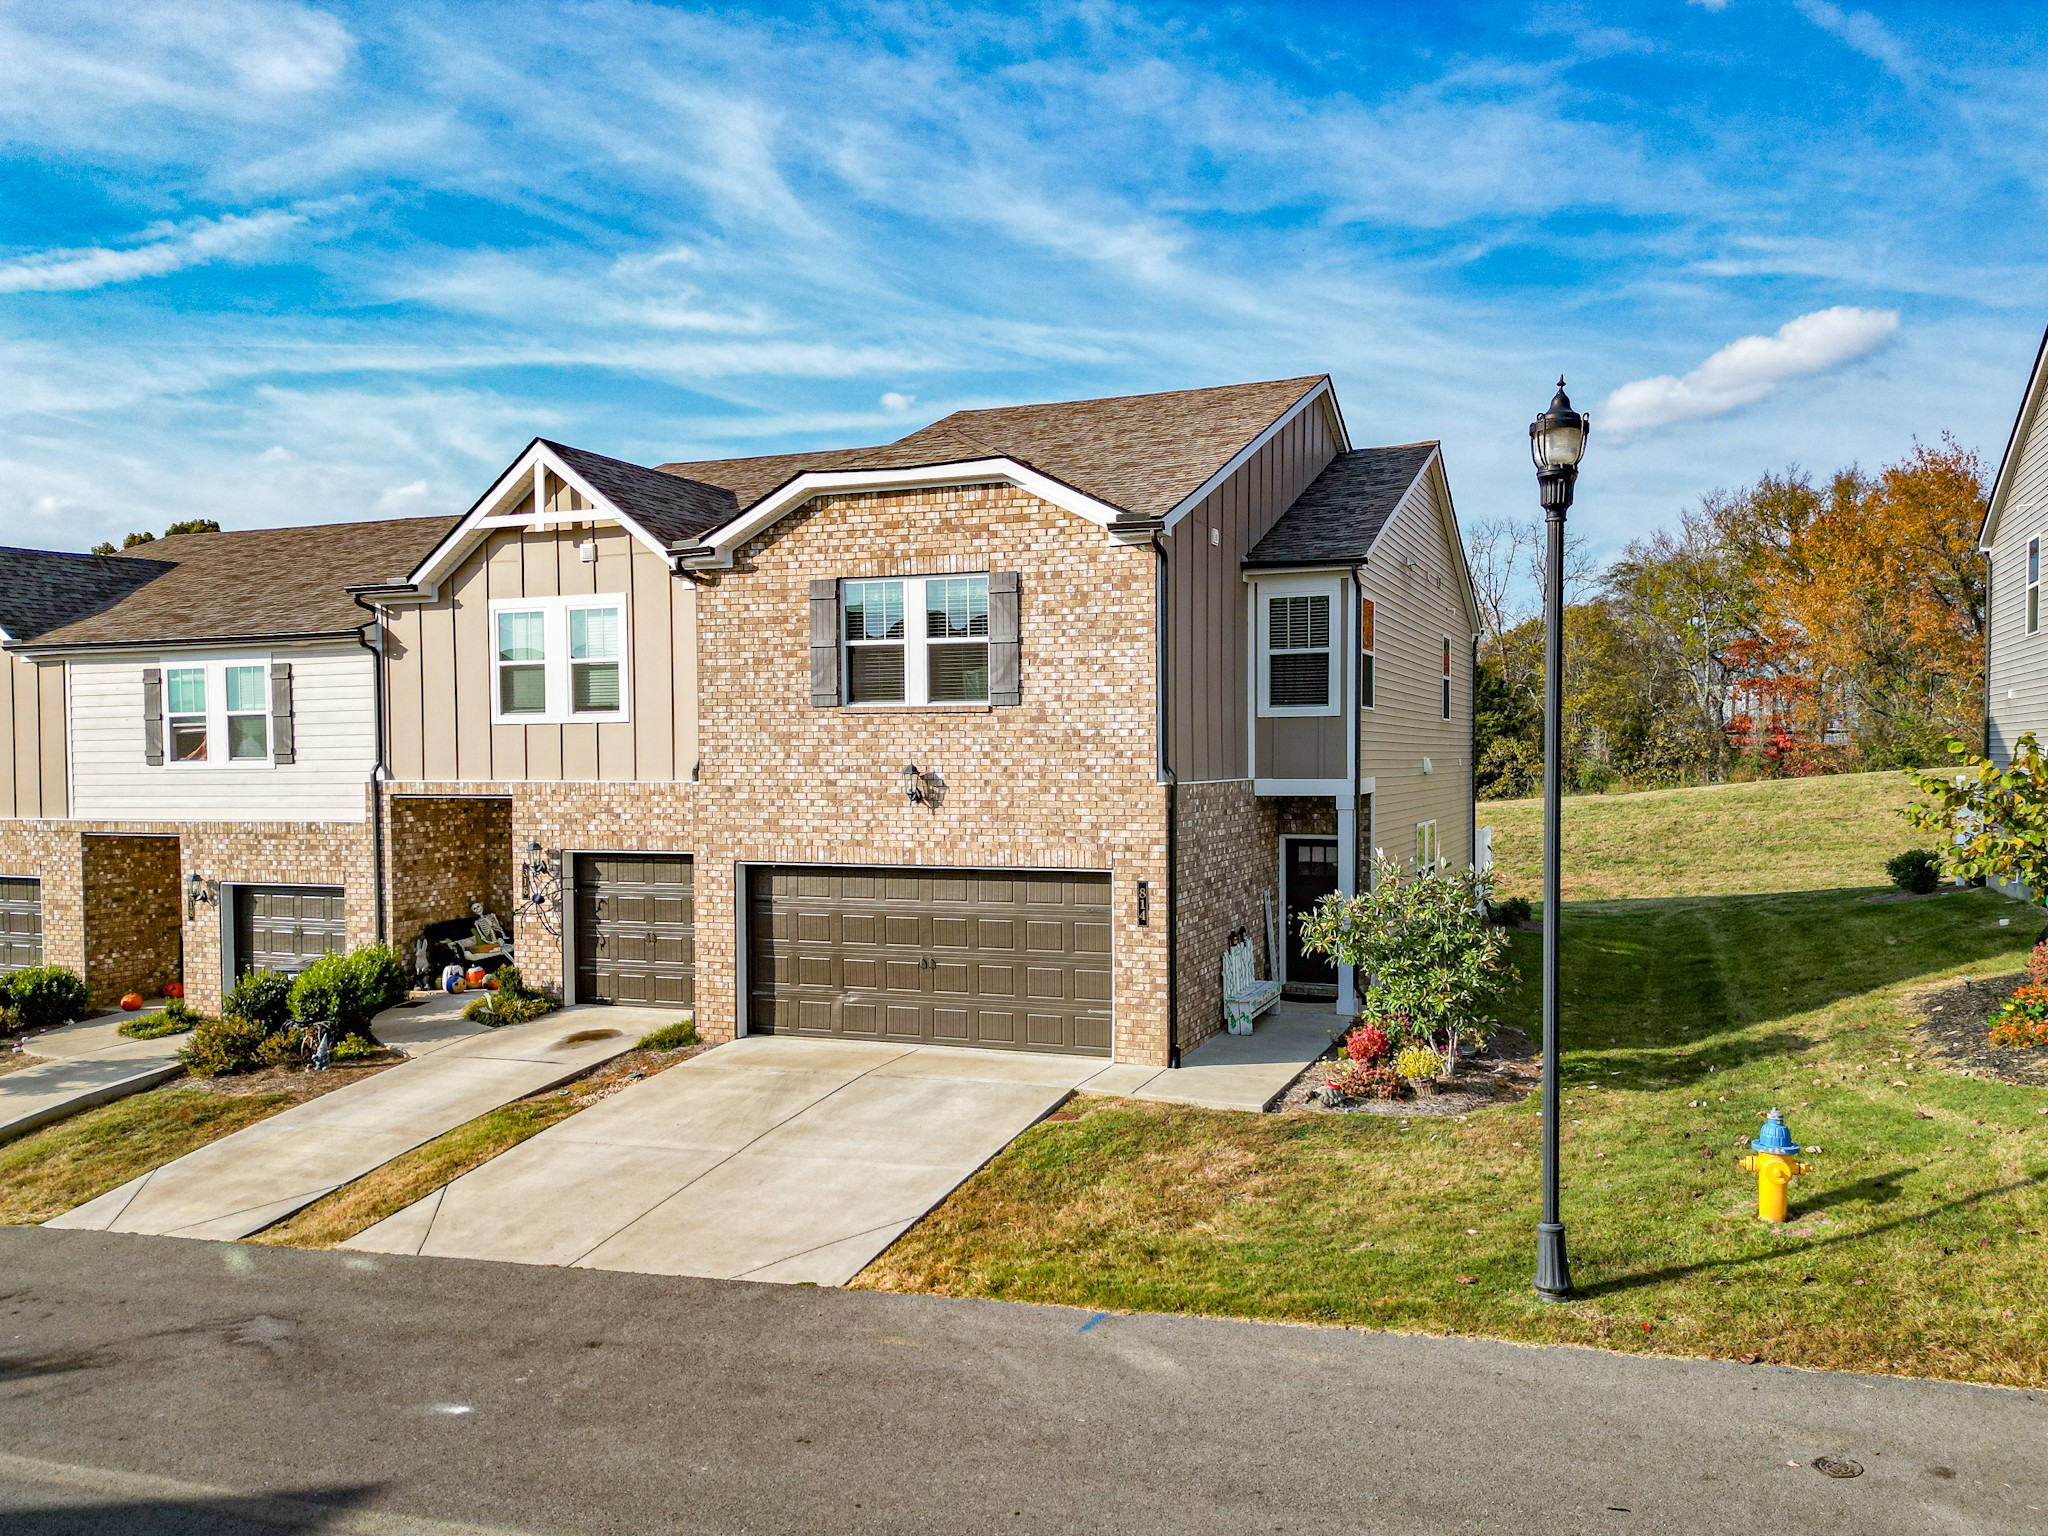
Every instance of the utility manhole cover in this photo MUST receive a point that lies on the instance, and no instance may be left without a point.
(1838, 1466)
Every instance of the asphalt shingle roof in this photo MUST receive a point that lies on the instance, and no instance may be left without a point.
(259, 583)
(1336, 519)
(41, 589)
(673, 508)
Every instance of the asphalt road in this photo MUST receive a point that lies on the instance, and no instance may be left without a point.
(156, 1385)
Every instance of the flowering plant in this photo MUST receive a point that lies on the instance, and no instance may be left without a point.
(2023, 1021)
(1368, 1080)
(1367, 1043)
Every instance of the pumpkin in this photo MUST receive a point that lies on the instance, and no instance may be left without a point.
(476, 976)
(491, 982)
(174, 989)
(131, 1001)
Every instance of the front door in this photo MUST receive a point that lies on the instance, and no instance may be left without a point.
(1311, 869)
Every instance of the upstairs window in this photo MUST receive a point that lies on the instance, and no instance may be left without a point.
(2033, 586)
(559, 660)
(1447, 677)
(248, 697)
(185, 707)
(1296, 675)
(1368, 673)
(916, 640)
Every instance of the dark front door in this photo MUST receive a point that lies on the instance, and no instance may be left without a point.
(1311, 875)
(287, 927)
(986, 958)
(21, 924)
(636, 939)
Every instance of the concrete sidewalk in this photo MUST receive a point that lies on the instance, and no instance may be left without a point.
(260, 1175)
(1235, 1071)
(84, 1064)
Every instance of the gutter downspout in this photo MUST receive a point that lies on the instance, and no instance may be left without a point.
(1987, 642)
(1361, 873)
(377, 770)
(1172, 783)
(1472, 759)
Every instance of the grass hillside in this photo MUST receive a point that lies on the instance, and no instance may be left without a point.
(1721, 840)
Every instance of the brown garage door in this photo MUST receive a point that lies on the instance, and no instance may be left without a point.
(635, 929)
(21, 923)
(969, 957)
(288, 927)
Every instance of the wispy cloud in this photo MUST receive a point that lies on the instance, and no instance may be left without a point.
(1865, 34)
(1749, 370)
(157, 253)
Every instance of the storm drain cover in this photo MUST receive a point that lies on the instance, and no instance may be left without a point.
(1838, 1466)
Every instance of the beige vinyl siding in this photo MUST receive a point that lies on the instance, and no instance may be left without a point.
(32, 755)
(440, 672)
(1209, 646)
(334, 726)
(1413, 612)
(2018, 683)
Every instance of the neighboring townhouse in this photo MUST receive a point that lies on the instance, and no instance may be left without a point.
(194, 743)
(2015, 526)
(989, 736)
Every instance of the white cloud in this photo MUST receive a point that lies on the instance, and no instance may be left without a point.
(1746, 371)
(1865, 34)
(236, 237)
(896, 403)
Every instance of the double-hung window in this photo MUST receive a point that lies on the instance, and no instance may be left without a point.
(185, 709)
(1297, 650)
(558, 660)
(2033, 586)
(1425, 847)
(248, 713)
(916, 640)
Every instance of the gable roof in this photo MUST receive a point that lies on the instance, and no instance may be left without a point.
(673, 508)
(254, 584)
(44, 589)
(1336, 520)
(2015, 446)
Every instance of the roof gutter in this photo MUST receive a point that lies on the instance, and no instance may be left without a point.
(157, 642)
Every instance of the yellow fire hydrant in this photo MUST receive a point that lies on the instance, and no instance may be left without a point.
(1773, 1159)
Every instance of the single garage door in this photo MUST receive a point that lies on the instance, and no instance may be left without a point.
(287, 927)
(21, 923)
(982, 958)
(635, 929)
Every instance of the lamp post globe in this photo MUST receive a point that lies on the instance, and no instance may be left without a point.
(1557, 442)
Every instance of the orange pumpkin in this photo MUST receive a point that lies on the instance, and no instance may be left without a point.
(132, 1001)
(174, 989)
(491, 982)
(476, 976)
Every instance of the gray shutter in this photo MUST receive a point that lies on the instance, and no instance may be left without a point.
(153, 716)
(282, 743)
(825, 642)
(1005, 648)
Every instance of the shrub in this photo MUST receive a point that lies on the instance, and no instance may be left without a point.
(670, 1037)
(1418, 1062)
(385, 977)
(285, 1047)
(260, 997)
(1917, 870)
(353, 1048)
(513, 1003)
(1367, 1044)
(10, 1021)
(1510, 911)
(1364, 1080)
(175, 1017)
(2023, 1022)
(1434, 963)
(2037, 964)
(43, 995)
(221, 1046)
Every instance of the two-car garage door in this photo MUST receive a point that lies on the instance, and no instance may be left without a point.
(993, 959)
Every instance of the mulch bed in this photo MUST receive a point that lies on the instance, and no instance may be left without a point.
(1954, 1019)
(1506, 1073)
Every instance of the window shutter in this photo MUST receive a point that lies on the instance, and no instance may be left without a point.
(282, 746)
(1005, 646)
(153, 716)
(825, 643)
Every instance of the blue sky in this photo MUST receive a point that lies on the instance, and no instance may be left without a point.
(276, 262)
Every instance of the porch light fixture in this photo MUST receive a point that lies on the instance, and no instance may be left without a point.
(1557, 441)
(913, 783)
(200, 891)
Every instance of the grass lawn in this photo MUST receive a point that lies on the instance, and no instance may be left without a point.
(1916, 1247)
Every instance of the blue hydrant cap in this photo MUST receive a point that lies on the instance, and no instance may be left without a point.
(1774, 1137)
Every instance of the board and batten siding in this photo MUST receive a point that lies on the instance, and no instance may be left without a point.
(2018, 663)
(334, 727)
(439, 672)
(1208, 645)
(1306, 746)
(32, 764)
(1414, 609)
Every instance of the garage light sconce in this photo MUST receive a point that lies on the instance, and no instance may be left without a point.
(540, 887)
(200, 891)
(917, 786)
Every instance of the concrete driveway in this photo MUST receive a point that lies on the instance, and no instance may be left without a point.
(767, 1159)
(260, 1175)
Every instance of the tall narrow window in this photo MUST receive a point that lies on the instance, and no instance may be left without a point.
(1447, 677)
(593, 661)
(2033, 586)
(874, 642)
(1368, 679)
(1425, 847)
(1298, 652)
(956, 633)
(248, 694)
(522, 662)
(185, 705)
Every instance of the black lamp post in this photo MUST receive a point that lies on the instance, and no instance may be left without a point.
(1557, 441)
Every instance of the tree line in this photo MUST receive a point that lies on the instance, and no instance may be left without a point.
(1790, 627)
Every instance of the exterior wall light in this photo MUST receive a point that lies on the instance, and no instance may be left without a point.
(913, 783)
(200, 891)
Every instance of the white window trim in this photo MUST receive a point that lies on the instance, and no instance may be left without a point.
(216, 670)
(916, 645)
(554, 612)
(2033, 608)
(1320, 586)
(1425, 838)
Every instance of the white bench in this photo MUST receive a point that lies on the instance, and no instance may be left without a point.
(1245, 997)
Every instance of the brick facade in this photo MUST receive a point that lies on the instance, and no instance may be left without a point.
(134, 937)
(1228, 862)
(442, 853)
